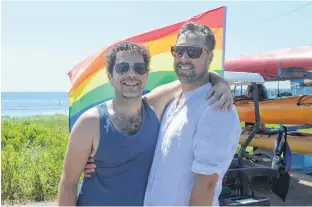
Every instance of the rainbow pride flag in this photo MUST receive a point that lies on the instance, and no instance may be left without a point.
(89, 80)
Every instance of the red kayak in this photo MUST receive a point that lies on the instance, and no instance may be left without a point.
(293, 60)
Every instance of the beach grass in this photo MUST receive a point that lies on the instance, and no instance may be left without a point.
(32, 154)
(33, 150)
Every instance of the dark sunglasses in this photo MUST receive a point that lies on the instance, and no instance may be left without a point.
(123, 67)
(192, 51)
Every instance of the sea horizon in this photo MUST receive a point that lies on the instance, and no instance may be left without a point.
(17, 104)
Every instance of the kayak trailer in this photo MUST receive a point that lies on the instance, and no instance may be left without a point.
(237, 187)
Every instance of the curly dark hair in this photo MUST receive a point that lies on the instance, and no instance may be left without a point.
(126, 46)
(191, 27)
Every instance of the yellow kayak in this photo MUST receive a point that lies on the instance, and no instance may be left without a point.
(299, 142)
(290, 110)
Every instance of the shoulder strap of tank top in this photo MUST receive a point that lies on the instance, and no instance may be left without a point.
(149, 111)
(103, 112)
(145, 105)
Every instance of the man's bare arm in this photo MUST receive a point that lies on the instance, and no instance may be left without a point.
(161, 96)
(77, 154)
(203, 190)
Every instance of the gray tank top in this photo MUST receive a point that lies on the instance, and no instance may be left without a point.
(122, 163)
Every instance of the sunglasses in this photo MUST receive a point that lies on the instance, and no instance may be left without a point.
(123, 67)
(192, 51)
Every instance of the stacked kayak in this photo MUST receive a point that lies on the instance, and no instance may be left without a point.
(299, 142)
(283, 64)
(267, 64)
(291, 110)
(296, 110)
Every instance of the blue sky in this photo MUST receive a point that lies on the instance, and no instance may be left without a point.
(42, 41)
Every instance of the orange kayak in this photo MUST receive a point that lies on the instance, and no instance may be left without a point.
(290, 110)
(299, 142)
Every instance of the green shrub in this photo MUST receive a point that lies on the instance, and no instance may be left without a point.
(33, 150)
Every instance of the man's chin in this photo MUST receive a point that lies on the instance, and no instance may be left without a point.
(185, 80)
(189, 79)
(132, 95)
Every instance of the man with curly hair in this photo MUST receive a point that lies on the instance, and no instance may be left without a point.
(120, 134)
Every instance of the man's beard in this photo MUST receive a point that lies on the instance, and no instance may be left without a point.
(187, 76)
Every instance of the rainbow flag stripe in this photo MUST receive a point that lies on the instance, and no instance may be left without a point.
(89, 80)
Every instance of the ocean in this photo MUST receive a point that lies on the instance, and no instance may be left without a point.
(33, 103)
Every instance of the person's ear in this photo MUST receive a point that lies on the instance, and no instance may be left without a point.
(210, 56)
(109, 77)
(146, 75)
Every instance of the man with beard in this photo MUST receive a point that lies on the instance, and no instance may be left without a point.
(120, 134)
(196, 144)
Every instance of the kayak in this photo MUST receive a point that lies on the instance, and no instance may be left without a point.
(299, 142)
(290, 110)
(297, 59)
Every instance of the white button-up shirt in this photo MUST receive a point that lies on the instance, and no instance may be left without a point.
(193, 138)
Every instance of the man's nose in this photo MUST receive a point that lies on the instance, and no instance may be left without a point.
(185, 56)
(131, 71)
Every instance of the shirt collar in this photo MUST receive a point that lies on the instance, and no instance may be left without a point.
(202, 90)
